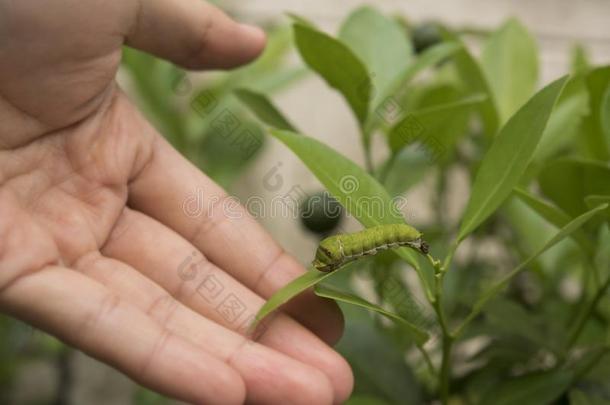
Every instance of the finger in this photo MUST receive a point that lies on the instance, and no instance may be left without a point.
(174, 264)
(177, 194)
(193, 33)
(87, 315)
(259, 366)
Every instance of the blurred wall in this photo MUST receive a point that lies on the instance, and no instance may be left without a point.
(556, 23)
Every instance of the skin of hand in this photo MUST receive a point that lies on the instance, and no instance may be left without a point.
(95, 246)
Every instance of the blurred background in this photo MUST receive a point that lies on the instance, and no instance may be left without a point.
(36, 369)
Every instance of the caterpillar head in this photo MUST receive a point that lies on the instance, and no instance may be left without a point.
(328, 255)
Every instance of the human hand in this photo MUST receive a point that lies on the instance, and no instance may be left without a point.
(95, 246)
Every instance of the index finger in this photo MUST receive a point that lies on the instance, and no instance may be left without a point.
(192, 33)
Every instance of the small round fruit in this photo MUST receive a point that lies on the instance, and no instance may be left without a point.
(424, 36)
(320, 213)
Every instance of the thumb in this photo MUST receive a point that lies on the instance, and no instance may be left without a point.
(193, 34)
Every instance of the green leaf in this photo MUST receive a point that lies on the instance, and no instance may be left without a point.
(564, 232)
(307, 280)
(578, 397)
(276, 80)
(597, 200)
(566, 119)
(154, 86)
(427, 59)
(395, 294)
(442, 89)
(338, 65)
(200, 121)
(264, 109)
(597, 128)
(476, 82)
(414, 162)
(547, 386)
(556, 216)
(581, 177)
(538, 388)
(378, 364)
(381, 43)
(265, 75)
(549, 212)
(530, 232)
(224, 158)
(510, 60)
(361, 195)
(508, 157)
(439, 122)
(507, 317)
(312, 278)
(301, 20)
(418, 335)
(579, 59)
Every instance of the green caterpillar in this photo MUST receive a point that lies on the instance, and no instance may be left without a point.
(336, 251)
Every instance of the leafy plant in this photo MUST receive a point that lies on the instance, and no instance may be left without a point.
(526, 324)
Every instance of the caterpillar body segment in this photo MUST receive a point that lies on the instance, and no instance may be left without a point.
(336, 251)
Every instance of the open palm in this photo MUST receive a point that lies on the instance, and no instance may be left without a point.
(95, 244)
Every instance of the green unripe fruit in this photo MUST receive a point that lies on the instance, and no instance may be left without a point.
(320, 213)
(424, 36)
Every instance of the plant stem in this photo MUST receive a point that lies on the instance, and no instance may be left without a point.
(368, 160)
(438, 305)
(447, 337)
(385, 171)
(594, 269)
(438, 203)
(450, 254)
(446, 369)
(65, 376)
(447, 345)
(427, 359)
(365, 136)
